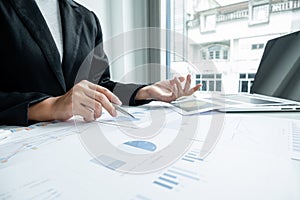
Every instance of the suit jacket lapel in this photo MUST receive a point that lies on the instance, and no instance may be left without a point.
(33, 19)
(71, 27)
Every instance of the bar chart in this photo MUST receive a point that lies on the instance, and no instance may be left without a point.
(192, 156)
(295, 141)
(174, 177)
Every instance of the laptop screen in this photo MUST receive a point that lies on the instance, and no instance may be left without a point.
(278, 74)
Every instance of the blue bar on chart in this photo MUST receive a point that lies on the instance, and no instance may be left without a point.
(163, 185)
(169, 175)
(168, 180)
(192, 156)
(173, 176)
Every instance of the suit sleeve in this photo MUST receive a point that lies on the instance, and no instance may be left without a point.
(14, 107)
(100, 71)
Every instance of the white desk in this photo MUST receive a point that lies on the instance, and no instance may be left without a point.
(248, 162)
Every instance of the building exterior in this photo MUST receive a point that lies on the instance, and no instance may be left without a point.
(225, 39)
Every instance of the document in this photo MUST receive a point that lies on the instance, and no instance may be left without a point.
(52, 160)
(32, 138)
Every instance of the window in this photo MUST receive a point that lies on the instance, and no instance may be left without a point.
(211, 86)
(210, 82)
(204, 86)
(245, 82)
(257, 46)
(218, 76)
(251, 76)
(225, 54)
(215, 52)
(242, 76)
(260, 13)
(208, 76)
(211, 55)
(204, 55)
(218, 85)
(244, 86)
(210, 22)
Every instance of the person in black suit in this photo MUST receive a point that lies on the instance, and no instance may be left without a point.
(39, 73)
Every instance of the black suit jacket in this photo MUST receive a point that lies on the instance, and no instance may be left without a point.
(31, 70)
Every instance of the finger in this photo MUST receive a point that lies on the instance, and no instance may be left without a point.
(97, 110)
(84, 102)
(197, 87)
(181, 78)
(111, 96)
(87, 98)
(168, 85)
(91, 106)
(86, 112)
(173, 89)
(178, 87)
(96, 97)
(172, 81)
(187, 84)
(103, 100)
(194, 89)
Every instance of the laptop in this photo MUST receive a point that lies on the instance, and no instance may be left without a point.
(276, 86)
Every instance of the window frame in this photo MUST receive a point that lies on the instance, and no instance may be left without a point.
(254, 7)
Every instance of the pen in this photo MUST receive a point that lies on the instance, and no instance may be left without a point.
(123, 111)
(118, 108)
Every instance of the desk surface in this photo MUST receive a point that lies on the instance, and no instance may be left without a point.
(250, 160)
